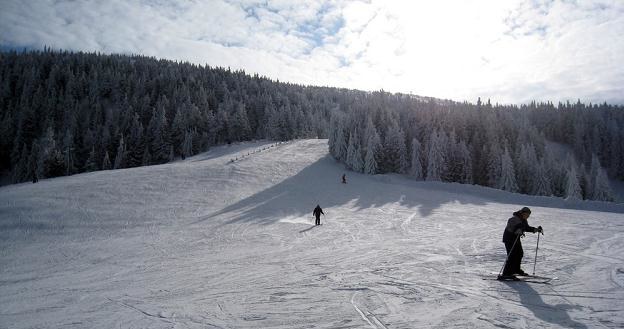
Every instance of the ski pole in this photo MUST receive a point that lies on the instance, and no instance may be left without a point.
(536, 248)
(510, 251)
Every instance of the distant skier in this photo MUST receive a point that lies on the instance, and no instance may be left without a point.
(317, 213)
(516, 226)
(344, 179)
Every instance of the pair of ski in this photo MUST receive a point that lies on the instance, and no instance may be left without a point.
(522, 278)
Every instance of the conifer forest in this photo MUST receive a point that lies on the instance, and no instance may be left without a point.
(63, 113)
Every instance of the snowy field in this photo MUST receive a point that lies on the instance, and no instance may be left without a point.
(209, 243)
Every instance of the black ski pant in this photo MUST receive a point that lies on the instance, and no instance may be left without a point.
(318, 220)
(514, 257)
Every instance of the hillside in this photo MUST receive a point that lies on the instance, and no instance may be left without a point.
(212, 243)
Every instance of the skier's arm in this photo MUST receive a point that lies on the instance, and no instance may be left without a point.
(529, 228)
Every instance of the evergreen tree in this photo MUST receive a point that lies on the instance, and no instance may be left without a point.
(465, 163)
(494, 165)
(90, 164)
(339, 143)
(436, 165)
(157, 129)
(120, 158)
(178, 131)
(573, 188)
(599, 186)
(46, 154)
(354, 156)
(507, 180)
(416, 169)
(147, 157)
(68, 152)
(32, 171)
(526, 162)
(541, 182)
(370, 159)
(106, 164)
(187, 146)
(394, 150)
(135, 143)
(593, 174)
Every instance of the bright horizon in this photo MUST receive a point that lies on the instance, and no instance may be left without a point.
(507, 51)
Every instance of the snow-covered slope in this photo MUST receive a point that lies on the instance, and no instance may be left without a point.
(209, 243)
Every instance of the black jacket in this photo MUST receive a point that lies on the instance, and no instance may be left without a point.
(317, 211)
(513, 224)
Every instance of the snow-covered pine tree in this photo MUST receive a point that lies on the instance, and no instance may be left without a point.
(493, 167)
(465, 163)
(416, 169)
(435, 158)
(593, 174)
(178, 131)
(120, 158)
(526, 161)
(573, 189)
(239, 123)
(541, 182)
(50, 162)
(135, 143)
(354, 156)
(90, 164)
(157, 130)
(147, 157)
(394, 150)
(602, 189)
(171, 154)
(106, 163)
(340, 146)
(370, 159)
(507, 181)
(187, 144)
(68, 153)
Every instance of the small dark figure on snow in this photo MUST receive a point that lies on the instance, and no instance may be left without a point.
(516, 226)
(317, 213)
(344, 179)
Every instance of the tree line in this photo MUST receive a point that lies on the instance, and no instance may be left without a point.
(63, 113)
(568, 150)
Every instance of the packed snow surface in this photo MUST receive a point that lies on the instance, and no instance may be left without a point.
(213, 243)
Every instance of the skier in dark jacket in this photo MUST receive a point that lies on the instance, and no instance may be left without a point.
(516, 226)
(317, 213)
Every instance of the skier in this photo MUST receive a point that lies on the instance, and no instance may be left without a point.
(317, 213)
(516, 226)
(344, 179)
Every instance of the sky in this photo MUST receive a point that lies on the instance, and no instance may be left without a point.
(511, 51)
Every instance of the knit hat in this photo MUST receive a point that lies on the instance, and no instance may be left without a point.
(524, 210)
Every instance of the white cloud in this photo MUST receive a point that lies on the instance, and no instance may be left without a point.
(510, 51)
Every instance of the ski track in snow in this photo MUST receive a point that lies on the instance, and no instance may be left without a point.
(211, 243)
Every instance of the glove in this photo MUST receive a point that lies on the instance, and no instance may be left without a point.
(540, 230)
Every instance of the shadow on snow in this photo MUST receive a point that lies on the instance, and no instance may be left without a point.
(555, 314)
(320, 183)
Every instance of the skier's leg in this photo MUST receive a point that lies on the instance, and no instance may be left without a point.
(519, 257)
(508, 270)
